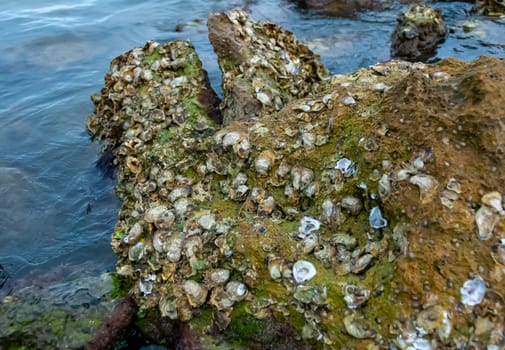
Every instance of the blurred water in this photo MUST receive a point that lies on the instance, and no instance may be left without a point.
(56, 208)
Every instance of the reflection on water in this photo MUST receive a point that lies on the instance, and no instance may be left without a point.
(56, 209)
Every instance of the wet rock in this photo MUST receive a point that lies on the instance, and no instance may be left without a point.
(418, 32)
(113, 325)
(489, 7)
(245, 248)
(346, 8)
(68, 315)
(263, 65)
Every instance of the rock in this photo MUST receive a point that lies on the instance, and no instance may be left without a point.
(418, 32)
(113, 325)
(489, 7)
(263, 65)
(346, 8)
(62, 315)
(437, 122)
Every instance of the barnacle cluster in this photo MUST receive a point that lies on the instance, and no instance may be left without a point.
(290, 212)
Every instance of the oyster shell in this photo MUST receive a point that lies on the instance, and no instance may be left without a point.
(195, 293)
(427, 185)
(355, 295)
(303, 271)
(486, 219)
(264, 162)
(376, 220)
(237, 291)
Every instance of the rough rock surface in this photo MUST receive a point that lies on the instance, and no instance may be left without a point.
(489, 7)
(345, 8)
(352, 217)
(63, 315)
(264, 66)
(418, 32)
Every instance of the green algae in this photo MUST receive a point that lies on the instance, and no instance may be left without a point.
(122, 286)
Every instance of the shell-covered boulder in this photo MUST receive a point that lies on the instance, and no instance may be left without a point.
(418, 32)
(264, 66)
(347, 218)
(489, 7)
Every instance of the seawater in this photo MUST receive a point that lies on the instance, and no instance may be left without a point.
(57, 210)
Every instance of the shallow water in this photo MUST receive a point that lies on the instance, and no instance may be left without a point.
(57, 210)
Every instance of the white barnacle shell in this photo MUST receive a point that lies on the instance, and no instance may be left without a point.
(154, 214)
(165, 220)
(195, 292)
(207, 221)
(352, 204)
(308, 225)
(327, 208)
(239, 179)
(309, 243)
(473, 291)
(218, 276)
(232, 138)
(178, 192)
(303, 271)
(145, 286)
(237, 291)
(174, 247)
(427, 186)
(494, 200)
(384, 185)
(376, 219)
(136, 252)
(346, 166)
(348, 101)
(182, 206)
(454, 186)
(159, 239)
(486, 219)
(264, 162)
(134, 234)
(263, 98)
(242, 148)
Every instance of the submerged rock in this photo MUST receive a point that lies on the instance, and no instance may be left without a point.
(418, 32)
(260, 241)
(63, 315)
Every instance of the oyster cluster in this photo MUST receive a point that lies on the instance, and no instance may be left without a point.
(418, 32)
(264, 66)
(301, 207)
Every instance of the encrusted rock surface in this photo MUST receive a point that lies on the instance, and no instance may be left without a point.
(374, 183)
(264, 66)
(418, 32)
(489, 7)
(63, 315)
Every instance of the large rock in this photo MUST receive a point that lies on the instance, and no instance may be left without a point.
(345, 8)
(64, 315)
(264, 66)
(489, 7)
(351, 217)
(418, 32)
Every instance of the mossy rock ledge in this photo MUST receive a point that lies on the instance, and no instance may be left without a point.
(358, 211)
